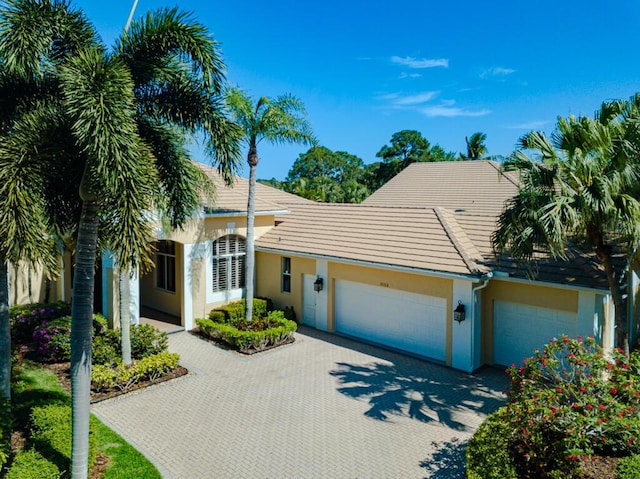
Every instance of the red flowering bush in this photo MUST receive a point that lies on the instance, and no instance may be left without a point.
(569, 402)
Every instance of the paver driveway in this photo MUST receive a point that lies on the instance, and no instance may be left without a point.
(323, 407)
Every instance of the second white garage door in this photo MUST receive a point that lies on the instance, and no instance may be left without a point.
(518, 329)
(407, 321)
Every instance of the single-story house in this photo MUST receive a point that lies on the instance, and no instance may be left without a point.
(411, 268)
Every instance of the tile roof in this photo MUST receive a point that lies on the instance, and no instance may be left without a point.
(390, 236)
(470, 185)
(234, 198)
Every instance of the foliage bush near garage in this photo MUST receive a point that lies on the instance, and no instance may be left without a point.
(568, 403)
(488, 451)
(122, 377)
(30, 464)
(5, 432)
(51, 434)
(257, 335)
(628, 467)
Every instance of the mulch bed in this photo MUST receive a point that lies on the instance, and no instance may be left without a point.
(599, 468)
(63, 372)
(246, 352)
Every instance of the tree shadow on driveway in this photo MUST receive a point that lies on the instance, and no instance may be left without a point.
(422, 391)
(448, 461)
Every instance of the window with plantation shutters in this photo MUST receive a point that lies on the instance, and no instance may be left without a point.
(228, 263)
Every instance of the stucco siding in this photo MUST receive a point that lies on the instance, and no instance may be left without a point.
(29, 284)
(211, 228)
(153, 297)
(524, 293)
(269, 279)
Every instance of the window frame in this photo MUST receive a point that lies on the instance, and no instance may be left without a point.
(233, 258)
(285, 280)
(165, 265)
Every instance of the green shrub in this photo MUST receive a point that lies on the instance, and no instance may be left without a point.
(256, 335)
(25, 318)
(488, 451)
(628, 467)
(147, 340)
(234, 312)
(52, 340)
(30, 464)
(51, 434)
(5, 432)
(123, 377)
(217, 316)
(569, 402)
(105, 350)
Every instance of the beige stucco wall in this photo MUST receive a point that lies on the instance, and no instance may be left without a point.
(30, 284)
(524, 293)
(159, 299)
(211, 228)
(268, 280)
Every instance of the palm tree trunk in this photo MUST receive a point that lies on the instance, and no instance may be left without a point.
(251, 211)
(81, 326)
(5, 333)
(125, 316)
(622, 338)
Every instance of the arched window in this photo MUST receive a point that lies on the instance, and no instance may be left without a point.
(228, 263)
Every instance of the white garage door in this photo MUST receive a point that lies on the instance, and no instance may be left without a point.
(518, 329)
(407, 321)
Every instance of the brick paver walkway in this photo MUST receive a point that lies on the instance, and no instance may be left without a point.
(324, 407)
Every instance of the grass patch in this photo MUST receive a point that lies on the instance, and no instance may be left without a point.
(125, 461)
(38, 386)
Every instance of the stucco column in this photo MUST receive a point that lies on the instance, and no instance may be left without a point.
(187, 286)
(463, 334)
(322, 299)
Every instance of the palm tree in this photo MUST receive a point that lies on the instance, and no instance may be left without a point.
(582, 193)
(277, 120)
(121, 122)
(25, 80)
(476, 149)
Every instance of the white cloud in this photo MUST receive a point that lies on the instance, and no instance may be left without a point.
(412, 62)
(497, 72)
(404, 75)
(448, 110)
(531, 125)
(416, 99)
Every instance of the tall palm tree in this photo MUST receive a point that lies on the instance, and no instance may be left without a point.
(476, 148)
(276, 120)
(25, 81)
(121, 122)
(582, 191)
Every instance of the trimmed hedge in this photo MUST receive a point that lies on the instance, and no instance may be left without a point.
(30, 464)
(150, 368)
(489, 450)
(234, 312)
(51, 434)
(628, 467)
(5, 432)
(274, 329)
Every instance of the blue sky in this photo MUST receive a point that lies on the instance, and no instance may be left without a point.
(366, 69)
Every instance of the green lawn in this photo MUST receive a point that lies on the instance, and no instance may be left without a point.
(38, 386)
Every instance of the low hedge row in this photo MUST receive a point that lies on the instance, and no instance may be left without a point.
(258, 335)
(49, 454)
(234, 312)
(122, 377)
(30, 464)
(489, 450)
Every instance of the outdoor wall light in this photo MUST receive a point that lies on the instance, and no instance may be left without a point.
(318, 284)
(459, 312)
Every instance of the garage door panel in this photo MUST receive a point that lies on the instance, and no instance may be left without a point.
(518, 329)
(406, 321)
